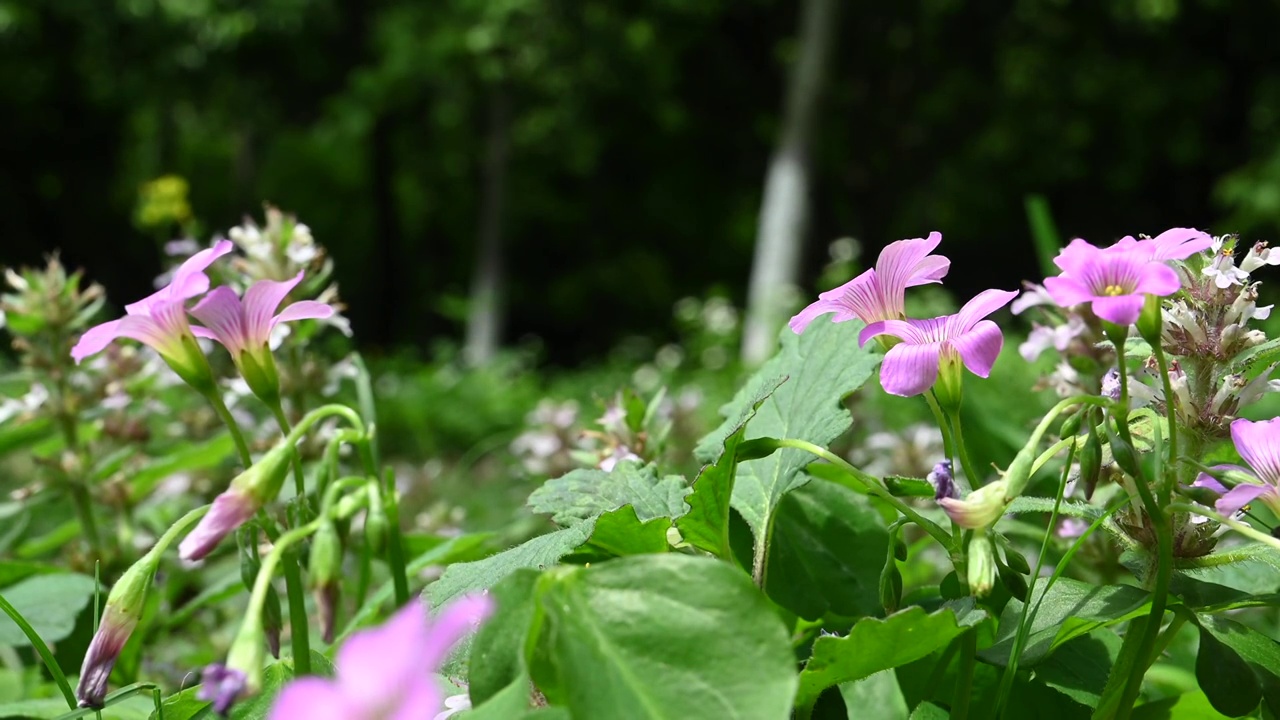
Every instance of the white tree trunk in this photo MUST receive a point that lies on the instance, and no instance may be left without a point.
(485, 309)
(784, 213)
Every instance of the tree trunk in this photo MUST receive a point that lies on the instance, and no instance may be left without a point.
(784, 211)
(485, 309)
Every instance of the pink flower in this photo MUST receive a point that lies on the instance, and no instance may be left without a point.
(1114, 281)
(159, 320)
(386, 673)
(911, 367)
(1172, 244)
(878, 294)
(1259, 445)
(245, 326)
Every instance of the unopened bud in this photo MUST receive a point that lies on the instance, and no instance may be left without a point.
(1150, 324)
(981, 565)
(248, 492)
(325, 570)
(119, 618)
(241, 676)
(1091, 462)
(943, 482)
(981, 508)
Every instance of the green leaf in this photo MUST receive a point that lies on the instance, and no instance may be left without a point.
(875, 644)
(874, 697)
(1190, 706)
(1079, 668)
(539, 553)
(50, 603)
(585, 493)
(497, 652)
(1259, 651)
(136, 708)
(12, 571)
(662, 636)
(510, 702)
(619, 532)
(1225, 677)
(1044, 233)
(929, 711)
(185, 458)
(706, 524)
(824, 365)
(1071, 609)
(827, 552)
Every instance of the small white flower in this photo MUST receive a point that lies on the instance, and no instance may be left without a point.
(1258, 256)
(454, 704)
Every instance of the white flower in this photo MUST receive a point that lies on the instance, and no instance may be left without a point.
(454, 704)
(1258, 256)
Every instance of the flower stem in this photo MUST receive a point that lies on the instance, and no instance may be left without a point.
(1170, 404)
(299, 478)
(873, 486)
(299, 631)
(246, 459)
(963, 452)
(395, 543)
(948, 443)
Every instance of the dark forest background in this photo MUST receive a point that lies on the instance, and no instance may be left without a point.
(632, 138)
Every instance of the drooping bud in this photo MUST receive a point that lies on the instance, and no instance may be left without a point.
(248, 492)
(119, 618)
(981, 565)
(325, 570)
(981, 508)
(240, 676)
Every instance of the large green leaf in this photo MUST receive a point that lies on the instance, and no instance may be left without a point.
(585, 493)
(875, 644)
(509, 703)
(662, 636)
(1071, 609)
(706, 524)
(538, 553)
(135, 708)
(1225, 677)
(874, 697)
(1258, 651)
(50, 603)
(497, 652)
(823, 366)
(827, 552)
(619, 532)
(1079, 668)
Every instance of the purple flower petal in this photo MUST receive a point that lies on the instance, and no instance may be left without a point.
(454, 622)
(142, 328)
(1121, 309)
(909, 369)
(979, 347)
(1259, 444)
(1205, 480)
(312, 698)
(189, 279)
(260, 303)
(223, 317)
(1076, 256)
(930, 270)
(899, 262)
(980, 306)
(381, 663)
(1158, 279)
(1067, 291)
(303, 310)
(1238, 497)
(1180, 243)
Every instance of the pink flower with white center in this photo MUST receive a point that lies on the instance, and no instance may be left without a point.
(879, 293)
(386, 673)
(940, 344)
(244, 327)
(1114, 282)
(160, 320)
(1259, 445)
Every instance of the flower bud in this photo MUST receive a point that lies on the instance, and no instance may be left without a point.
(943, 482)
(241, 676)
(325, 570)
(981, 565)
(119, 618)
(1091, 462)
(1150, 325)
(981, 508)
(248, 492)
(259, 372)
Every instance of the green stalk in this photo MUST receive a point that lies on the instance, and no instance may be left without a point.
(233, 427)
(395, 542)
(963, 452)
(948, 443)
(964, 683)
(299, 630)
(1170, 404)
(299, 478)
(873, 486)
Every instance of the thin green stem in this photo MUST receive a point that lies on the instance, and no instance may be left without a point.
(964, 682)
(963, 452)
(1242, 528)
(1170, 403)
(395, 542)
(175, 530)
(873, 486)
(948, 443)
(242, 447)
(299, 630)
(299, 478)
(84, 512)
